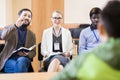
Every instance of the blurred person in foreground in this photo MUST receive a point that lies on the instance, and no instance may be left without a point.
(102, 63)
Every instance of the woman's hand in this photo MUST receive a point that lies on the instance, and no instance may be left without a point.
(66, 54)
(47, 55)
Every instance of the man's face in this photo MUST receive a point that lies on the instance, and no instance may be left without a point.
(26, 17)
(56, 19)
(95, 19)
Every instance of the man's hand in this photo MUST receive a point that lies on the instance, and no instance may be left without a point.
(19, 22)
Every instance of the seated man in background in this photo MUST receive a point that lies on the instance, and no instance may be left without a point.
(17, 36)
(89, 37)
(103, 62)
(56, 46)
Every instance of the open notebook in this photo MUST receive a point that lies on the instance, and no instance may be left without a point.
(24, 49)
(52, 54)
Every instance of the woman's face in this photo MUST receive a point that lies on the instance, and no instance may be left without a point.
(56, 19)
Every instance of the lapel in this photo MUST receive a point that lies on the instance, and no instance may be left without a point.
(50, 38)
(16, 36)
(27, 38)
(63, 39)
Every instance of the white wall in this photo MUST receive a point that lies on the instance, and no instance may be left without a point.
(77, 11)
(2, 13)
(5, 12)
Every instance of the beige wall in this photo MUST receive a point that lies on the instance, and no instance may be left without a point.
(19, 4)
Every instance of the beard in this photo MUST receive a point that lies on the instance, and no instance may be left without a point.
(24, 26)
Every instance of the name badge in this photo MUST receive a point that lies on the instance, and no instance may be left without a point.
(56, 46)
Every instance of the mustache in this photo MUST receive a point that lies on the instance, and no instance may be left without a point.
(25, 25)
(26, 20)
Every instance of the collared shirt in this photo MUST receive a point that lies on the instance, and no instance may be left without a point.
(21, 38)
(89, 38)
(58, 40)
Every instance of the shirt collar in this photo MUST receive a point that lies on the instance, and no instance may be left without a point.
(92, 27)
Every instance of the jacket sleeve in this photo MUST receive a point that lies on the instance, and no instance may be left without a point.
(32, 41)
(7, 31)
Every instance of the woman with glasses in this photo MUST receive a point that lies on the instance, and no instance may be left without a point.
(56, 46)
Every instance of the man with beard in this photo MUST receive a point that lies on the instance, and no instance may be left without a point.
(17, 36)
(89, 37)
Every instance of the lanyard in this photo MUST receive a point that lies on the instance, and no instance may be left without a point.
(22, 37)
(55, 32)
(97, 39)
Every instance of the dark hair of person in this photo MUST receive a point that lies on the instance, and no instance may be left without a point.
(24, 9)
(111, 18)
(94, 10)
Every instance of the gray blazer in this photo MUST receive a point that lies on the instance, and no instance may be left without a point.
(10, 35)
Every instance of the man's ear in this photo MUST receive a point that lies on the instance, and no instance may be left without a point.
(102, 32)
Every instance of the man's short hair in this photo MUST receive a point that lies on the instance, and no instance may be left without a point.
(94, 10)
(111, 18)
(24, 9)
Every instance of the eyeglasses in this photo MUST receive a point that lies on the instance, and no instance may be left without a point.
(57, 18)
